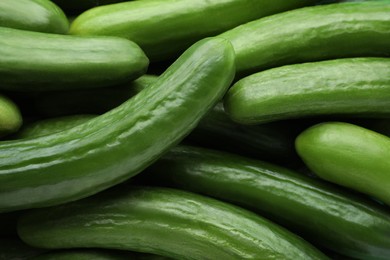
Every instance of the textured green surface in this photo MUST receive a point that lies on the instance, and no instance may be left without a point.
(163, 221)
(10, 117)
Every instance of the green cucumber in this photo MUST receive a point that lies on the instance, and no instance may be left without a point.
(117, 145)
(348, 87)
(162, 221)
(10, 116)
(33, 15)
(42, 61)
(327, 215)
(315, 33)
(165, 28)
(348, 155)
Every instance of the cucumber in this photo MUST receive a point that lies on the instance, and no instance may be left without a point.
(349, 155)
(322, 32)
(358, 87)
(33, 15)
(162, 221)
(31, 61)
(324, 214)
(117, 145)
(165, 28)
(10, 116)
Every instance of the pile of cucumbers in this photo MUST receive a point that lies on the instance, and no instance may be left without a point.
(193, 129)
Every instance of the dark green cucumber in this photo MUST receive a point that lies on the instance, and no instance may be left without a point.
(117, 145)
(10, 116)
(311, 34)
(165, 28)
(322, 213)
(15, 249)
(165, 222)
(33, 15)
(42, 61)
(349, 87)
(348, 155)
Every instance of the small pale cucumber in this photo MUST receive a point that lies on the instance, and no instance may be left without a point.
(162, 221)
(33, 15)
(357, 87)
(315, 33)
(165, 28)
(31, 61)
(10, 116)
(117, 145)
(348, 155)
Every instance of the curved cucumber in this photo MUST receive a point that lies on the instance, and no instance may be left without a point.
(165, 222)
(165, 28)
(41, 61)
(10, 116)
(117, 145)
(311, 34)
(325, 214)
(33, 15)
(353, 87)
(348, 155)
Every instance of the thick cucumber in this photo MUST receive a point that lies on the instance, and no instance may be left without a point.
(165, 222)
(42, 61)
(164, 28)
(115, 146)
(352, 86)
(348, 155)
(33, 15)
(10, 117)
(325, 214)
(313, 33)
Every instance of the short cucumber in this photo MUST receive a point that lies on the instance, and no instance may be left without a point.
(165, 28)
(33, 15)
(327, 215)
(117, 145)
(315, 33)
(348, 87)
(348, 155)
(162, 221)
(10, 116)
(42, 61)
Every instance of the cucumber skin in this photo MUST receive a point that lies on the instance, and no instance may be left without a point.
(67, 62)
(165, 222)
(311, 34)
(165, 28)
(10, 117)
(33, 15)
(357, 87)
(117, 145)
(322, 213)
(335, 152)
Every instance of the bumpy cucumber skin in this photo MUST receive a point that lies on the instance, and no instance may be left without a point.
(33, 15)
(165, 222)
(10, 116)
(31, 61)
(117, 145)
(316, 33)
(348, 87)
(164, 28)
(325, 214)
(348, 155)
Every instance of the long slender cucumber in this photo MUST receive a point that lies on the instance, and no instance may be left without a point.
(165, 28)
(348, 155)
(43, 61)
(10, 116)
(117, 145)
(348, 87)
(315, 33)
(327, 215)
(162, 221)
(33, 15)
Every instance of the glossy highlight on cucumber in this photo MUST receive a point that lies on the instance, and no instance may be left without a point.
(117, 145)
(162, 221)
